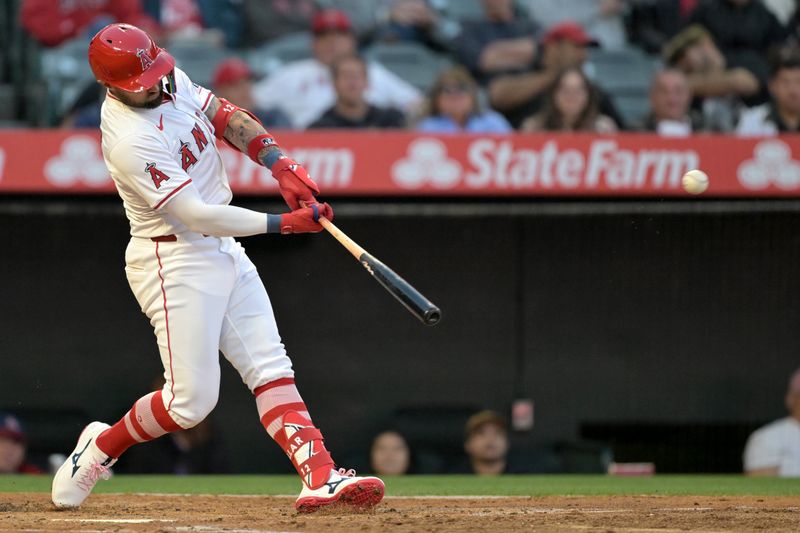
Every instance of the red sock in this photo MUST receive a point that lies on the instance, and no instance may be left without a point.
(147, 420)
(274, 400)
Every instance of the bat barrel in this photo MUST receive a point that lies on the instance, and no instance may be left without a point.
(425, 310)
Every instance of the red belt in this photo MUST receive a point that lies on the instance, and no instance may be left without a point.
(164, 238)
(168, 238)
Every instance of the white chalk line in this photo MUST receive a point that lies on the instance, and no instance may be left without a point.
(632, 529)
(294, 496)
(113, 520)
(214, 529)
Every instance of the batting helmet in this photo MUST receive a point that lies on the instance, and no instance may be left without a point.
(123, 56)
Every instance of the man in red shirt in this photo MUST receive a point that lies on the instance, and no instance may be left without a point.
(13, 444)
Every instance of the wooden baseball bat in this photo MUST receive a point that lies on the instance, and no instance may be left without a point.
(405, 293)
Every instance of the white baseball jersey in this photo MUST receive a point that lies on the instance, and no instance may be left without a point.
(153, 153)
(775, 445)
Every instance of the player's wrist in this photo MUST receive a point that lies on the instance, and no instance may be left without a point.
(261, 146)
(273, 223)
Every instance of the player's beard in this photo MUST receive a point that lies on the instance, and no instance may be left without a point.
(155, 102)
(147, 104)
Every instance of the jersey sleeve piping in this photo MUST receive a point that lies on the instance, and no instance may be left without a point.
(171, 194)
(208, 99)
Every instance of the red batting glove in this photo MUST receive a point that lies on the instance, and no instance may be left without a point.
(294, 182)
(306, 219)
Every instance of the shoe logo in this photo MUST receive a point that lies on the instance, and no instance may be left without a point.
(161, 123)
(76, 457)
(333, 484)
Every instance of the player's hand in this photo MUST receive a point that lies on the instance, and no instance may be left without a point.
(306, 219)
(295, 184)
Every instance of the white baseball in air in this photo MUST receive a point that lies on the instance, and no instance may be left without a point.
(695, 181)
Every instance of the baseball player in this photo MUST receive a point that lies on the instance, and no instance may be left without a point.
(202, 294)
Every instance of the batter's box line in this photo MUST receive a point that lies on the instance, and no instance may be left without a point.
(294, 496)
(113, 520)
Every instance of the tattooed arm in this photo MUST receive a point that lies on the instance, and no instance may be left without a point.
(241, 129)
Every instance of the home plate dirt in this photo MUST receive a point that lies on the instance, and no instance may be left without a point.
(21, 512)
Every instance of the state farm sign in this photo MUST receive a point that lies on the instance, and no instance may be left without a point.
(502, 164)
(406, 164)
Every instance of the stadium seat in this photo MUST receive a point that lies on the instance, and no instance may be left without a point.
(625, 75)
(461, 9)
(410, 61)
(626, 71)
(68, 73)
(197, 59)
(293, 47)
(7, 102)
(633, 108)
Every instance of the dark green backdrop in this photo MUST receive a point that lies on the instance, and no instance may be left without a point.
(625, 318)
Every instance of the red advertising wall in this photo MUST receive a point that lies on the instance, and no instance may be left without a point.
(408, 164)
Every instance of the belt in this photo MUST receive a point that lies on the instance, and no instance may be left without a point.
(168, 238)
(164, 238)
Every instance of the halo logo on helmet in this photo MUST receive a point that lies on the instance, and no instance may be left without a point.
(144, 57)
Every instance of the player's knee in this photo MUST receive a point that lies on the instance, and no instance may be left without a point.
(195, 407)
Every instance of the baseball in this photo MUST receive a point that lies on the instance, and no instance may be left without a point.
(695, 181)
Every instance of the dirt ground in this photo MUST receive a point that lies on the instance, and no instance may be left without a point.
(261, 514)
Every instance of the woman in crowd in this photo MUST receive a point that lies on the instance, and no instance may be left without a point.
(571, 104)
(453, 106)
(390, 454)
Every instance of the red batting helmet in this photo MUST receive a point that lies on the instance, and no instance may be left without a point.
(123, 56)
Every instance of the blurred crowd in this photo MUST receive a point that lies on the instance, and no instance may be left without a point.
(716, 65)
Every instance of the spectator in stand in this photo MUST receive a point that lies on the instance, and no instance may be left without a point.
(352, 110)
(782, 113)
(413, 21)
(52, 22)
(671, 112)
(390, 454)
(774, 450)
(13, 447)
(233, 80)
(365, 15)
(654, 22)
(304, 89)
(85, 110)
(213, 21)
(454, 106)
(571, 104)
(487, 446)
(602, 19)
(503, 41)
(719, 91)
(519, 96)
(397, 20)
(266, 20)
(745, 32)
